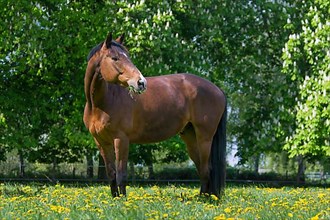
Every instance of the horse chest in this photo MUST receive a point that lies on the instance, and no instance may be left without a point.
(97, 127)
(99, 123)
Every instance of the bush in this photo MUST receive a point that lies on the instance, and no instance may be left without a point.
(190, 173)
(244, 174)
(186, 173)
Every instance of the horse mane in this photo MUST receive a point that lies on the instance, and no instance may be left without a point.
(94, 50)
(99, 46)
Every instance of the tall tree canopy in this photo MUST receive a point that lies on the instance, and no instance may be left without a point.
(271, 58)
(43, 59)
(306, 63)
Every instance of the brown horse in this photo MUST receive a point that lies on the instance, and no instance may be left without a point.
(182, 104)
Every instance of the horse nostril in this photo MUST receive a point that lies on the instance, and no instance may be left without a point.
(141, 84)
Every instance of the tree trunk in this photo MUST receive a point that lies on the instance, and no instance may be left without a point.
(151, 171)
(301, 170)
(54, 168)
(101, 174)
(256, 164)
(284, 164)
(90, 167)
(74, 172)
(21, 165)
(132, 171)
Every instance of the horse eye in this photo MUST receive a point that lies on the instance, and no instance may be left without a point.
(115, 58)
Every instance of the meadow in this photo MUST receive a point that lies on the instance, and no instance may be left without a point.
(35, 201)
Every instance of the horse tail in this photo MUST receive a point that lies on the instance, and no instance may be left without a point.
(217, 160)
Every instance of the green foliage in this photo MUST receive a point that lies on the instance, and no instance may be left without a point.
(306, 62)
(246, 41)
(41, 78)
(235, 44)
(43, 65)
(171, 150)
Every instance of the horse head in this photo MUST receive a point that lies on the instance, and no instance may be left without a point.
(116, 66)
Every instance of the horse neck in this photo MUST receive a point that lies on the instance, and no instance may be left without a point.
(94, 85)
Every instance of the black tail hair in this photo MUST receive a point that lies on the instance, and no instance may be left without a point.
(217, 161)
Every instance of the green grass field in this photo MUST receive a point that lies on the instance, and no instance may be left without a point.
(170, 202)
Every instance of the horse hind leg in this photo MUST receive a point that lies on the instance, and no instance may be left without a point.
(204, 138)
(199, 153)
(189, 137)
(212, 151)
(204, 167)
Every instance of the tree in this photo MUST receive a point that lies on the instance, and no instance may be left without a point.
(39, 83)
(43, 66)
(306, 63)
(235, 44)
(3, 145)
(19, 99)
(244, 46)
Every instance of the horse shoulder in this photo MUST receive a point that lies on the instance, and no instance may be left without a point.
(96, 121)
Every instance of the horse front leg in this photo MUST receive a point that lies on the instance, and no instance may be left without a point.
(121, 150)
(108, 154)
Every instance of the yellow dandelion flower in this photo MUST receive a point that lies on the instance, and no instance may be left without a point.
(316, 217)
(27, 189)
(220, 217)
(215, 198)
(13, 199)
(290, 215)
(104, 202)
(248, 209)
(227, 210)
(59, 209)
(196, 191)
(175, 213)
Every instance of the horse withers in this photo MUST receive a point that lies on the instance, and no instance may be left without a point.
(152, 109)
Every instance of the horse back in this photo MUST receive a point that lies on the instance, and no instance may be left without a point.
(171, 102)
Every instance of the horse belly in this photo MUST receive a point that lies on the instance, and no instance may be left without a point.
(158, 128)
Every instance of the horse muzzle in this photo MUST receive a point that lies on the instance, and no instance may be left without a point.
(142, 84)
(138, 86)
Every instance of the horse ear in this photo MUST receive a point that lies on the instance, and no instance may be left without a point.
(121, 39)
(108, 40)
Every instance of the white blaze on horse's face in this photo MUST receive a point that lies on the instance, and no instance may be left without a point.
(130, 75)
(124, 54)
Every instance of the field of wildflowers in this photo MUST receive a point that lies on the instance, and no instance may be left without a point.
(171, 202)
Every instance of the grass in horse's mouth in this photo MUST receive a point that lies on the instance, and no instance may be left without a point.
(132, 90)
